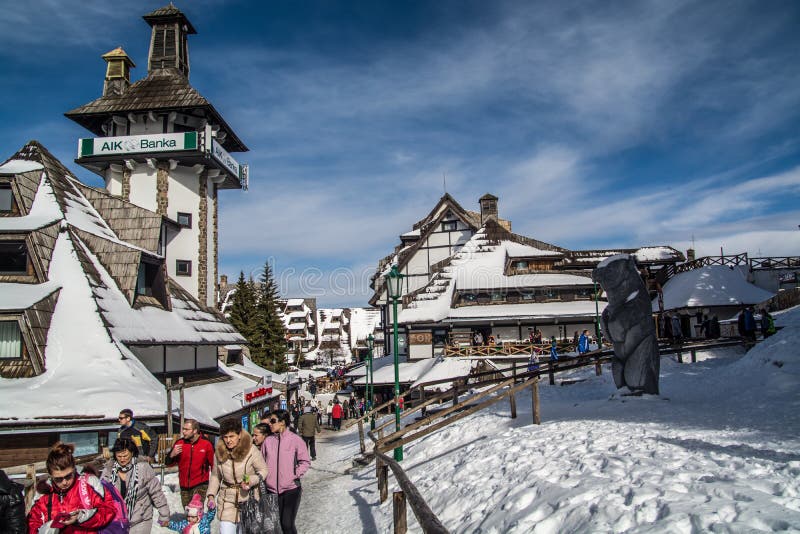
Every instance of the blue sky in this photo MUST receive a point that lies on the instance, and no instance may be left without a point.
(598, 124)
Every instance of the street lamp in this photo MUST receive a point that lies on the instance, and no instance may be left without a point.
(394, 286)
(370, 380)
(596, 316)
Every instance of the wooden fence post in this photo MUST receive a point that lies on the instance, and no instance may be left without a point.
(680, 357)
(514, 371)
(551, 373)
(399, 509)
(361, 436)
(383, 482)
(30, 490)
(537, 420)
(378, 464)
(455, 392)
(169, 406)
(180, 392)
(513, 399)
(694, 355)
(598, 367)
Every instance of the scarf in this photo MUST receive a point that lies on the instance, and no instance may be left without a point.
(131, 481)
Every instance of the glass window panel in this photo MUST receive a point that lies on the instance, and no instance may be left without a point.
(10, 340)
(6, 198)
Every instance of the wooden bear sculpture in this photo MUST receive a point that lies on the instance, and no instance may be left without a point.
(627, 322)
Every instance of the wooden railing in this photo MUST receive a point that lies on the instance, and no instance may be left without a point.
(778, 262)
(507, 349)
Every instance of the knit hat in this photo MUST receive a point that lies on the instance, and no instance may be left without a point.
(195, 506)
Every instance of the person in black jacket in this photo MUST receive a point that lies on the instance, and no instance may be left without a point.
(12, 507)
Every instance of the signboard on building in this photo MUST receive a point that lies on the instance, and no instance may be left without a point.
(137, 144)
(258, 392)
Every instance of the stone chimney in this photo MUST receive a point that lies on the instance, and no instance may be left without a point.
(223, 280)
(488, 207)
(118, 72)
(690, 254)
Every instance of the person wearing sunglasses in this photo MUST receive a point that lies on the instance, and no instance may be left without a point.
(287, 461)
(238, 469)
(77, 502)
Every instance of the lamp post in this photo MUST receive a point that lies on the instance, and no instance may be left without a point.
(370, 381)
(394, 283)
(596, 316)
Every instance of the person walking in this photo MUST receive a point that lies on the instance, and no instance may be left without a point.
(583, 342)
(194, 455)
(308, 427)
(238, 468)
(287, 462)
(749, 324)
(137, 483)
(12, 506)
(80, 503)
(767, 324)
(329, 412)
(146, 438)
(553, 349)
(260, 433)
(677, 331)
(336, 415)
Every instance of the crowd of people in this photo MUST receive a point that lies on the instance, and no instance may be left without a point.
(215, 480)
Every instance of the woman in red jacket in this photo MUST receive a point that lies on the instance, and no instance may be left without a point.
(79, 504)
(337, 415)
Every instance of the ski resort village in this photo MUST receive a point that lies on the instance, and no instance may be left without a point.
(400, 267)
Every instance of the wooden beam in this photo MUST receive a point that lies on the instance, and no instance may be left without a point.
(399, 512)
(537, 420)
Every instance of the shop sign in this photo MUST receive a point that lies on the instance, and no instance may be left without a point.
(259, 392)
(137, 144)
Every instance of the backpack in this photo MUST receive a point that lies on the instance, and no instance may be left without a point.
(119, 524)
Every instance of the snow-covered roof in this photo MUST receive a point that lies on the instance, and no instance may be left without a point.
(22, 296)
(363, 322)
(408, 372)
(481, 265)
(93, 320)
(711, 285)
(444, 369)
(520, 250)
(529, 310)
(294, 302)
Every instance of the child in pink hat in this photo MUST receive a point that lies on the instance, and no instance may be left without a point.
(196, 521)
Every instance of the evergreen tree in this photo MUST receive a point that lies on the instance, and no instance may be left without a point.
(271, 348)
(243, 309)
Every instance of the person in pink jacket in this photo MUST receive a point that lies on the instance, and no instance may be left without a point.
(287, 460)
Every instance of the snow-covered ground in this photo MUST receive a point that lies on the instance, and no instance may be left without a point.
(718, 451)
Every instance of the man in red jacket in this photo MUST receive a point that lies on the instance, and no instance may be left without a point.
(195, 456)
(337, 415)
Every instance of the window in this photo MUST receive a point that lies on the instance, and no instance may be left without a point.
(183, 267)
(13, 257)
(449, 226)
(10, 340)
(6, 198)
(522, 265)
(185, 219)
(148, 272)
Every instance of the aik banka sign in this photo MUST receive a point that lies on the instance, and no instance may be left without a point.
(136, 144)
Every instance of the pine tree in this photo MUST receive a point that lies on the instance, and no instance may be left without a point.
(270, 351)
(243, 309)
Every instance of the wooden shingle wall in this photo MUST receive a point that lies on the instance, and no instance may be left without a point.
(25, 185)
(37, 319)
(44, 241)
(121, 262)
(130, 222)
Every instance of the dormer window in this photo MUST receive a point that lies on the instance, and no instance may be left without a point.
(7, 203)
(449, 226)
(10, 340)
(13, 257)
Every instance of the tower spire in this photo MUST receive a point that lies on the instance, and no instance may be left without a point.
(169, 48)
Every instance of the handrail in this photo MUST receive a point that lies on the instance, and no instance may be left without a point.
(425, 517)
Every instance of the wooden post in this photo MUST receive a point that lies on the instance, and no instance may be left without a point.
(455, 392)
(551, 374)
(361, 436)
(30, 489)
(169, 406)
(537, 420)
(378, 464)
(680, 357)
(180, 385)
(383, 482)
(514, 371)
(694, 355)
(598, 367)
(399, 509)
(513, 399)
